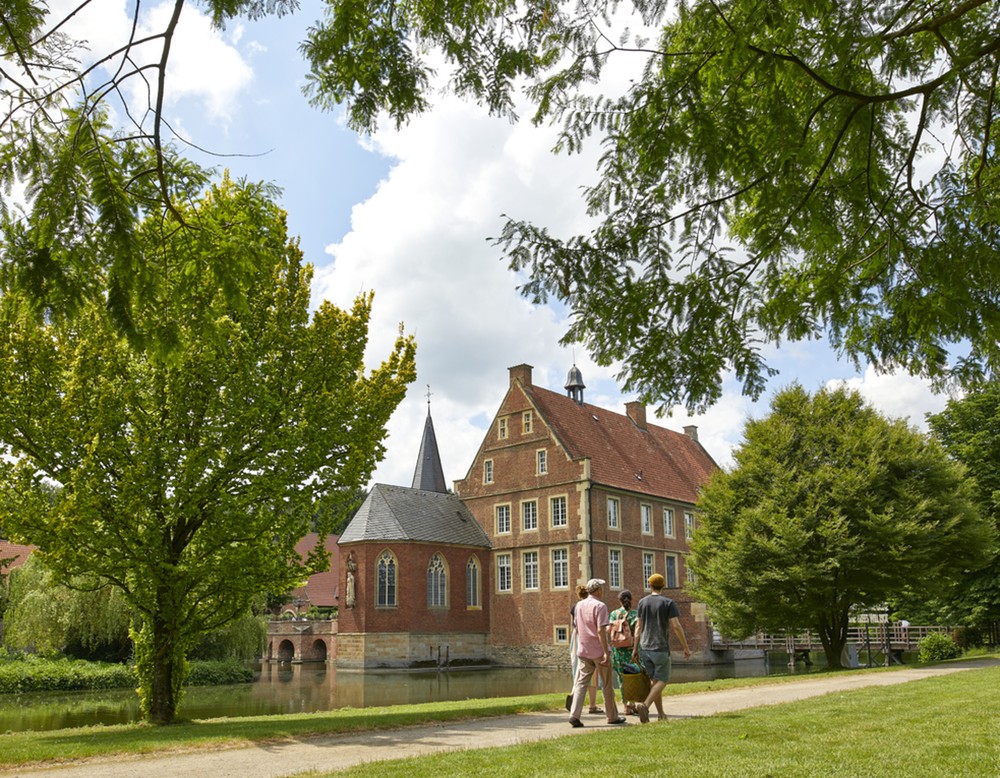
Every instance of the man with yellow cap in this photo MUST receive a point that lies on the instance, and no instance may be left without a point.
(651, 649)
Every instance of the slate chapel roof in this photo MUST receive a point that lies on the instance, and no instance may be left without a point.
(655, 460)
(428, 474)
(398, 513)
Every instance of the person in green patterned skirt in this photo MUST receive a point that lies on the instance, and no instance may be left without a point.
(621, 654)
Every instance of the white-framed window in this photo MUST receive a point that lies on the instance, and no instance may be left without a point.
(689, 575)
(647, 566)
(557, 511)
(529, 565)
(646, 517)
(527, 421)
(385, 580)
(437, 583)
(488, 471)
(615, 568)
(541, 462)
(670, 571)
(472, 575)
(503, 519)
(614, 513)
(502, 428)
(529, 515)
(561, 634)
(688, 525)
(560, 568)
(668, 522)
(503, 573)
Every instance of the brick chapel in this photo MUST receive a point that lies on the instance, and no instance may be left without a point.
(560, 491)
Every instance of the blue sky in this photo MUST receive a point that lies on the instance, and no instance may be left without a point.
(407, 213)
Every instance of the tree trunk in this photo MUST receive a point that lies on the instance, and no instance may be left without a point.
(162, 702)
(833, 634)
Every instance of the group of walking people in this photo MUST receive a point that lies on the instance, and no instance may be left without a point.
(604, 645)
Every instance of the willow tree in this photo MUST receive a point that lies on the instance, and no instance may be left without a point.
(188, 475)
(829, 508)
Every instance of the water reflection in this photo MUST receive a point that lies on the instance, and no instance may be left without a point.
(286, 688)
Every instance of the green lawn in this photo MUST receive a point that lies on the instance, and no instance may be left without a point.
(25, 747)
(947, 726)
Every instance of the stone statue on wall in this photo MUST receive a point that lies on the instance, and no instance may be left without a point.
(351, 569)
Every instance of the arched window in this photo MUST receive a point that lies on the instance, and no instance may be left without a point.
(437, 583)
(472, 583)
(385, 585)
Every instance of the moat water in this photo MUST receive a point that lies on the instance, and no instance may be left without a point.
(306, 688)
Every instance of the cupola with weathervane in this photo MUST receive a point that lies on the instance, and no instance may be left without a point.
(575, 385)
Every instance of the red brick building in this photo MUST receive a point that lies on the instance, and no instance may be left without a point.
(415, 567)
(567, 491)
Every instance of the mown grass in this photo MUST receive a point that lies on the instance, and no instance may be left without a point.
(948, 726)
(33, 747)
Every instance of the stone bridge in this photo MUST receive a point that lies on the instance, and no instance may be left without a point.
(301, 640)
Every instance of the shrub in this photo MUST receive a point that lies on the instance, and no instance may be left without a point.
(27, 673)
(937, 647)
(204, 673)
(37, 674)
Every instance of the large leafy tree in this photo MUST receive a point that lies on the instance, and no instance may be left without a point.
(830, 507)
(774, 171)
(188, 476)
(969, 429)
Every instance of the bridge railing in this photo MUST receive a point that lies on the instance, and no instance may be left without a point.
(860, 635)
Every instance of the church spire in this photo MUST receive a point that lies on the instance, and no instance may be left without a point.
(429, 475)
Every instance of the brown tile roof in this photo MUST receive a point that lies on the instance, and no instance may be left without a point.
(13, 555)
(321, 588)
(654, 461)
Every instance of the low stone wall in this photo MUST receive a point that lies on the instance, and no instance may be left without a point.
(530, 656)
(399, 650)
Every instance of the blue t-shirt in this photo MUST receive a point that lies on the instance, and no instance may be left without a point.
(655, 612)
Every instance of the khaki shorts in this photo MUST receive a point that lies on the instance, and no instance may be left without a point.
(656, 664)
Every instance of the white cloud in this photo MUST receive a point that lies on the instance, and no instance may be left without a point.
(897, 395)
(204, 67)
(420, 242)
(206, 74)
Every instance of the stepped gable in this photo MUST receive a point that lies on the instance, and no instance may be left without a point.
(398, 513)
(647, 459)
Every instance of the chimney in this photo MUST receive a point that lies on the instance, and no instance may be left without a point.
(692, 432)
(520, 373)
(636, 411)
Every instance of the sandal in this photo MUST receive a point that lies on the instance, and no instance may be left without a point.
(595, 710)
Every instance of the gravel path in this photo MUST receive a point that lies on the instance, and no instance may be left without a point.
(279, 760)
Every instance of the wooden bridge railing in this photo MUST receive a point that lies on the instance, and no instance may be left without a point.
(899, 638)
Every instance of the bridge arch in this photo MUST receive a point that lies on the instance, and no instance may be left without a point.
(301, 641)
